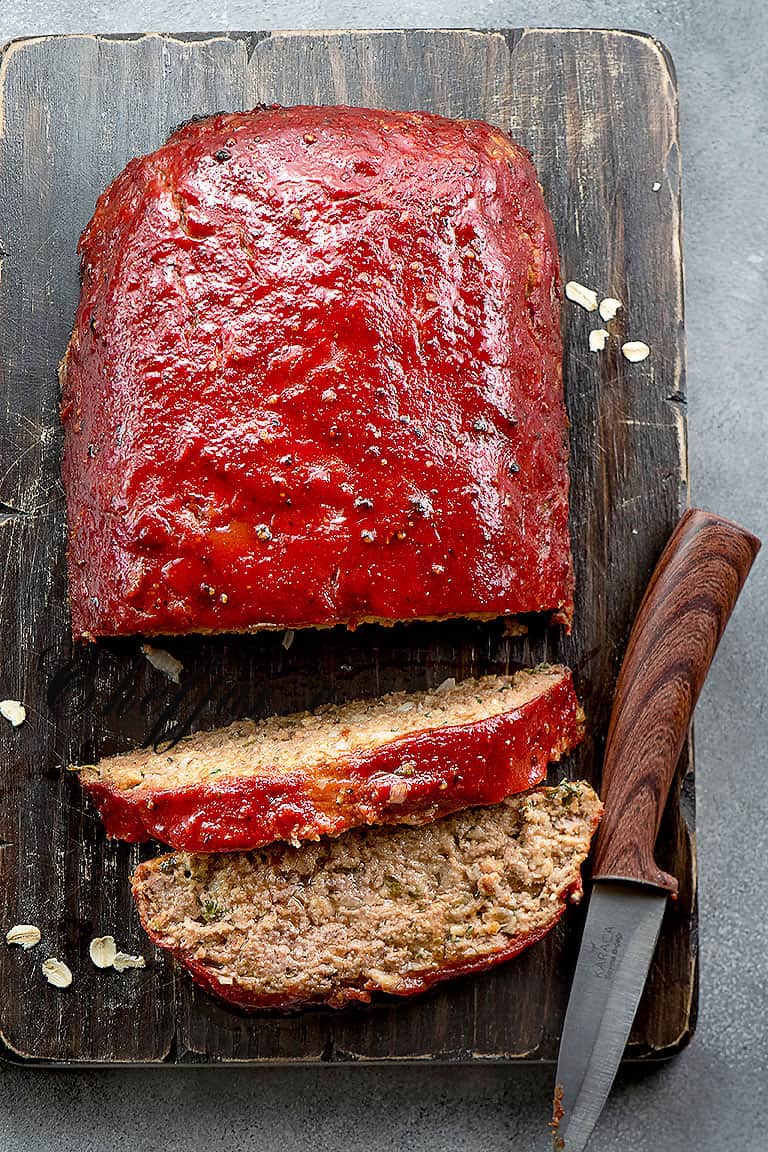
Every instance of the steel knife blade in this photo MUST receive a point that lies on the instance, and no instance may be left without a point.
(681, 619)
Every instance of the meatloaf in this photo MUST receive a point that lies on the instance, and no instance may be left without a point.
(385, 909)
(315, 378)
(403, 759)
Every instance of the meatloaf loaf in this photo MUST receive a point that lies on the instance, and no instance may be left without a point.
(403, 759)
(315, 378)
(386, 909)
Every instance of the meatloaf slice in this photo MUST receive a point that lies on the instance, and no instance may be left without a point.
(385, 909)
(403, 759)
(315, 378)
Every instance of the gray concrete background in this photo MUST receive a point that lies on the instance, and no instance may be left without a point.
(714, 1096)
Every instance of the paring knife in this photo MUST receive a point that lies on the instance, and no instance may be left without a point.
(683, 615)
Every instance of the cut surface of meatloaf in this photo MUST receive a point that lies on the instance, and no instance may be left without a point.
(402, 759)
(315, 378)
(378, 909)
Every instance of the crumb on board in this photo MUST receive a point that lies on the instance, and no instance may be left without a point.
(13, 711)
(102, 951)
(608, 308)
(164, 662)
(57, 972)
(25, 935)
(584, 297)
(635, 351)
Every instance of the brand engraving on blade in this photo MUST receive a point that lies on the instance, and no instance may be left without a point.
(605, 951)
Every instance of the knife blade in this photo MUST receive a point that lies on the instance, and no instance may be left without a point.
(681, 620)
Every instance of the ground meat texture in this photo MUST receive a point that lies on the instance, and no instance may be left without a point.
(387, 909)
(315, 378)
(402, 759)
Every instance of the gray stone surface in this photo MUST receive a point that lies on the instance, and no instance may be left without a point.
(714, 1096)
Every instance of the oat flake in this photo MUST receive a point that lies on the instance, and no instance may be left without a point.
(585, 297)
(635, 351)
(609, 307)
(13, 711)
(123, 960)
(103, 951)
(57, 973)
(27, 935)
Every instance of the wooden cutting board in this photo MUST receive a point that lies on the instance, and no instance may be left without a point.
(598, 110)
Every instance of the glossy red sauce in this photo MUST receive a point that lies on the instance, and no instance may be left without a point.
(445, 770)
(315, 377)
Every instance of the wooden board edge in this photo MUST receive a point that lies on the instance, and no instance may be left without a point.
(9, 1053)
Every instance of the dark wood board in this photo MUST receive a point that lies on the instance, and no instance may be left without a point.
(598, 110)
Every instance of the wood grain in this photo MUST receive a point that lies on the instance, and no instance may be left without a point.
(598, 110)
(686, 607)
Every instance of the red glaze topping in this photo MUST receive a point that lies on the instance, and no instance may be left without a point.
(446, 769)
(315, 377)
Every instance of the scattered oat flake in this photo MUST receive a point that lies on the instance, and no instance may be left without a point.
(103, 951)
(163, 661)
(635, 351)
(609, 307)
(27, 935)
(597, 339)
(13, 711)
(581, 295)
(57, 973)
(656, 186)
(448, 683)
(288, 637)
(123, 960)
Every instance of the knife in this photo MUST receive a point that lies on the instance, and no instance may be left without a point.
(681, 619)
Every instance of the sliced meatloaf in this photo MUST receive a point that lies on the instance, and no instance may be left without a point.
(384, 909)
(402, 759)
(315, 378)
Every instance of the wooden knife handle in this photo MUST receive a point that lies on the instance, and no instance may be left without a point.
(684, 612)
